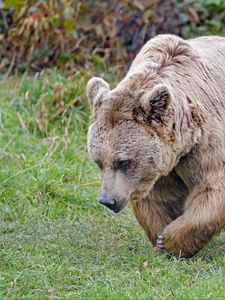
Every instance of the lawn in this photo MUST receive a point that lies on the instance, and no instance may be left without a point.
(56, 241)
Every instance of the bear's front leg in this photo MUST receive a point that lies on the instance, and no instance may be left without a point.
(164, 204)
(203, 217)
(154, 215)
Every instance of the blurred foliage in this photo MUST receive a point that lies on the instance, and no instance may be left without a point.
(70, 33)
(95, 34)
(206, 17)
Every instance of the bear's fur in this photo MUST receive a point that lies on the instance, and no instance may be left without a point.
(159, 139)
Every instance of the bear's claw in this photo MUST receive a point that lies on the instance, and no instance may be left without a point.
(160, 243)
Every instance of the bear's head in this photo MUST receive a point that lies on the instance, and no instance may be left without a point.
(131, 138)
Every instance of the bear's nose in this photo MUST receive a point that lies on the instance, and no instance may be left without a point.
(108, 202)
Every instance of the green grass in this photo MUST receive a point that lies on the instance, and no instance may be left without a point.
(56, 241)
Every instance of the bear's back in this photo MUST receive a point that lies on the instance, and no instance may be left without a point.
(196, 67)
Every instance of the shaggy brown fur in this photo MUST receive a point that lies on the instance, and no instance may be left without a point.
(159, 139)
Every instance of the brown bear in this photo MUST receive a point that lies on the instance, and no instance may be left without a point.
(159, 140)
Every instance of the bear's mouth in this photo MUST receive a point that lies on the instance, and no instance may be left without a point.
(116, 210)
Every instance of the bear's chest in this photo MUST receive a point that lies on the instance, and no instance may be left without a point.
(190, 171)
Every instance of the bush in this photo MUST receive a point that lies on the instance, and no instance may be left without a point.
(68, 34)
(95, 34)
(207, 17)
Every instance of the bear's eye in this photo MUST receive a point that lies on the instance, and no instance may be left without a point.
(99, 164)
(123, 165)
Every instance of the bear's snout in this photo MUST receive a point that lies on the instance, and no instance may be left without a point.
(109, 202)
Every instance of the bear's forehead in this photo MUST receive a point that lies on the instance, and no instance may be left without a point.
(124, 141)
(102, 135)
(115, 111)
(126, 132)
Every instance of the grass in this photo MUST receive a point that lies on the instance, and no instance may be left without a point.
(56, 241)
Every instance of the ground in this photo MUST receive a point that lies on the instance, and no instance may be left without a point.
(56, 241)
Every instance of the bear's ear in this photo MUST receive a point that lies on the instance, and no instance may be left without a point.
(96, 86)
(154, 105)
